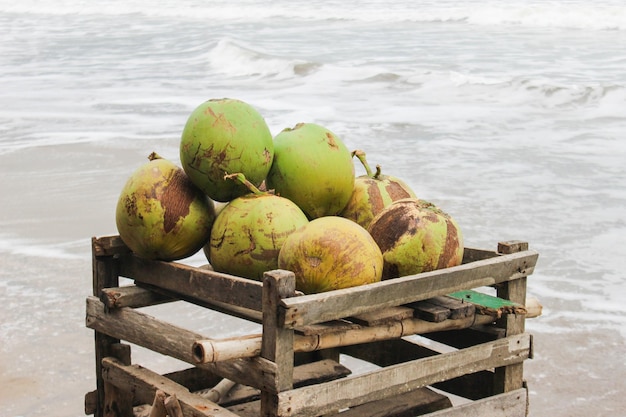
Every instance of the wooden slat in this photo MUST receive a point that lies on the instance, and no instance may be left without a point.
(473, 255)
(510, 378)
(428, 311)
(118, 402)
(332, 305)
(225, 308)
(144, 383)
(105, 274)
(303, 375)
(197, 283)
(410, 404)
(108, 246)
(458, 308)
(417, 402)
(327, 327)
(277, 342)
(397, 379)
(131, 296)
(511, 404)
(386, 315)
(167, 339)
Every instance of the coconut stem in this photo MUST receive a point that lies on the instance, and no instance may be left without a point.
(238, 176)
(154, 156)
(361, 155)
(378, 172)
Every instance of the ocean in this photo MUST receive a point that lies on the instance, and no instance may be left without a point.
(509, 116)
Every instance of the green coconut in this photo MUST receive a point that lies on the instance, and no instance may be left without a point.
(249, 232)
(223, 136)
(416, 236)
(313, 168)
(331, 253)
(161, 214)
(373, 192)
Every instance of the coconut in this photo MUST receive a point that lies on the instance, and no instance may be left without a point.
(313, 168)
(249, 232)
(223, 136)
(373, 192)
(331, 253)
(416, 236)
(160, 214)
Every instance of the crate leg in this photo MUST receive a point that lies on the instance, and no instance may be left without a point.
(277, 344)
(509, 378)
(105, 275)
(118, 403)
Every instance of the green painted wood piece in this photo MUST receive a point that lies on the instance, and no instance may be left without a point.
(489, 304)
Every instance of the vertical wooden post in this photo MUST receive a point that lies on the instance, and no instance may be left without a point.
(105, 275)
(277, 344)
(118, 403)
(510, 377)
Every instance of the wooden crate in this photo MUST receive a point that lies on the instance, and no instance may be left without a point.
(470, 351)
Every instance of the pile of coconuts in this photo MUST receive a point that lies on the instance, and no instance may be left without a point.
(253, 203)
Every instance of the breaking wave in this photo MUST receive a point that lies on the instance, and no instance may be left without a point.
(237, 60)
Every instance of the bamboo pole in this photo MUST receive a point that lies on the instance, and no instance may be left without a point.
(208, 350)
(218, 392)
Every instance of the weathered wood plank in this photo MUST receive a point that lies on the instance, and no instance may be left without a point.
(225, 308)
(397, 379)
(386, 315)
(410, 404)
(277, 342)
(332, 305)
(105, 274)
(327, 327)
(428, 311)
(108, 246)
(144, 383)
(511, 377)
(511, 404)
(194, 282)
(458, 308)
(118, 402)
(167, 339)
(391, 352)
(473, 255)
(131, 296)
(303, 375)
